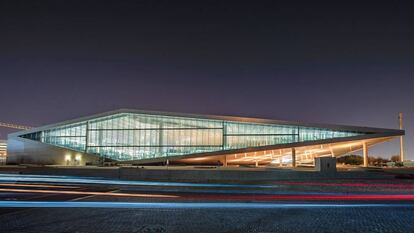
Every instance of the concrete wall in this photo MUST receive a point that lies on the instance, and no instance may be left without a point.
(24, 151)
(199, 175)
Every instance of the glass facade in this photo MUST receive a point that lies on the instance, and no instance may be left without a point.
(133, 136)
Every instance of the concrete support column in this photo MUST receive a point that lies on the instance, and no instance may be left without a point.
(332, 152)
(400, 118)
(255, 159)
(293, 157)
(365, 153)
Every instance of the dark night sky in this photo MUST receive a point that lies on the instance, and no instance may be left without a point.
(335, 63)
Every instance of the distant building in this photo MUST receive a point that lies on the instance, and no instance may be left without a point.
(147, 137)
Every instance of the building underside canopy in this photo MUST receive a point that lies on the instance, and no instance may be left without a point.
(280, 157)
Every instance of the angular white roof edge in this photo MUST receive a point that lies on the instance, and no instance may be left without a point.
(389, 132)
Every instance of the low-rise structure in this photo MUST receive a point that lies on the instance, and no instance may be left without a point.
(148, 137)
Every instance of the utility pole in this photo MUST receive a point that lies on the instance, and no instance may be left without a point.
(400, 118)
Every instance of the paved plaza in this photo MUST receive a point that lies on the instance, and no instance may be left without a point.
(369, 219)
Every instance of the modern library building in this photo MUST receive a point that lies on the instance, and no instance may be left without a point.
(137, 137)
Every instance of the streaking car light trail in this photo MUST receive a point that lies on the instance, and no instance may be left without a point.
(349, 184)
(86, 193)
(185, 205)
(78, 180)
(312, 197)
(350, 197)
(38, 186)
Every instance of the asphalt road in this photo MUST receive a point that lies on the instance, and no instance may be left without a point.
(35, 203)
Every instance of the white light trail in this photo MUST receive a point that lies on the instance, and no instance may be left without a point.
(185, 205)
